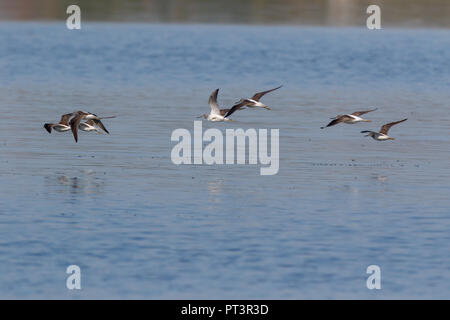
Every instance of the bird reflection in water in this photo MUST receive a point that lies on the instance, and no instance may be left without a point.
(88, 182)
(215, 190)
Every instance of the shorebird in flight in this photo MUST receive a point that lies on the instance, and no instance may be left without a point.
(254, 102)
(62, 126)
(382, 135)
(88, 126)
(349, 118)
(218, 114)
(83, 115)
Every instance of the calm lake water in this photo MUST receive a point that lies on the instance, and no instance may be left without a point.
(141, 227)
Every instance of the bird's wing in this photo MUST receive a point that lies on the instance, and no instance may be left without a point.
(100, 124)
(386, 127)
(338, 119)
(259, 95)
(74, 123)
(223, 112)
(235, 108)
(359, 113)
(90, 122)
(213, 102)
(65, 119)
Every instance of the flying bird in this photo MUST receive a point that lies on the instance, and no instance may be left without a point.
(88, 126)
(62, 126)
(349, 118)
(254, 102)
(218, 114)
(382, 135)
(83, 115)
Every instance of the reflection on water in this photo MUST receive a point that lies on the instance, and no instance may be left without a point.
(412, 13)
(215, 189)
(380, 178)
(86, 183)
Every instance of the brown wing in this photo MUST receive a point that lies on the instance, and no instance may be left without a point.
(236, 107)
(259, 95)
(100, 124)
(359, 113)
(223, 112)
(74, 123)
(65, 119)
(386, 127)
(90, 122)
(338, 119)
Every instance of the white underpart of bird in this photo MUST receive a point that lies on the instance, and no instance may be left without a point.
(61, 128)
(255, 104)
(355, 119)
(88, 127)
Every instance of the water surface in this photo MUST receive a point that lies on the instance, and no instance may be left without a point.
(141, 227)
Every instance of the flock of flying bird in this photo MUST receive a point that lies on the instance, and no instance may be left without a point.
(92, 123)
(72, 121)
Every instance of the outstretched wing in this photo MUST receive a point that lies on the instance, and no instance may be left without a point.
(65, 119)
(74, 123)
(259, 95)
(359, 113)
(223, 112)
(213, 102)
(236, 107)
(338, 119)
(100, 124)
(386, 127)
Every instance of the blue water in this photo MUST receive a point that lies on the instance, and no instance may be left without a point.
(141, 227)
